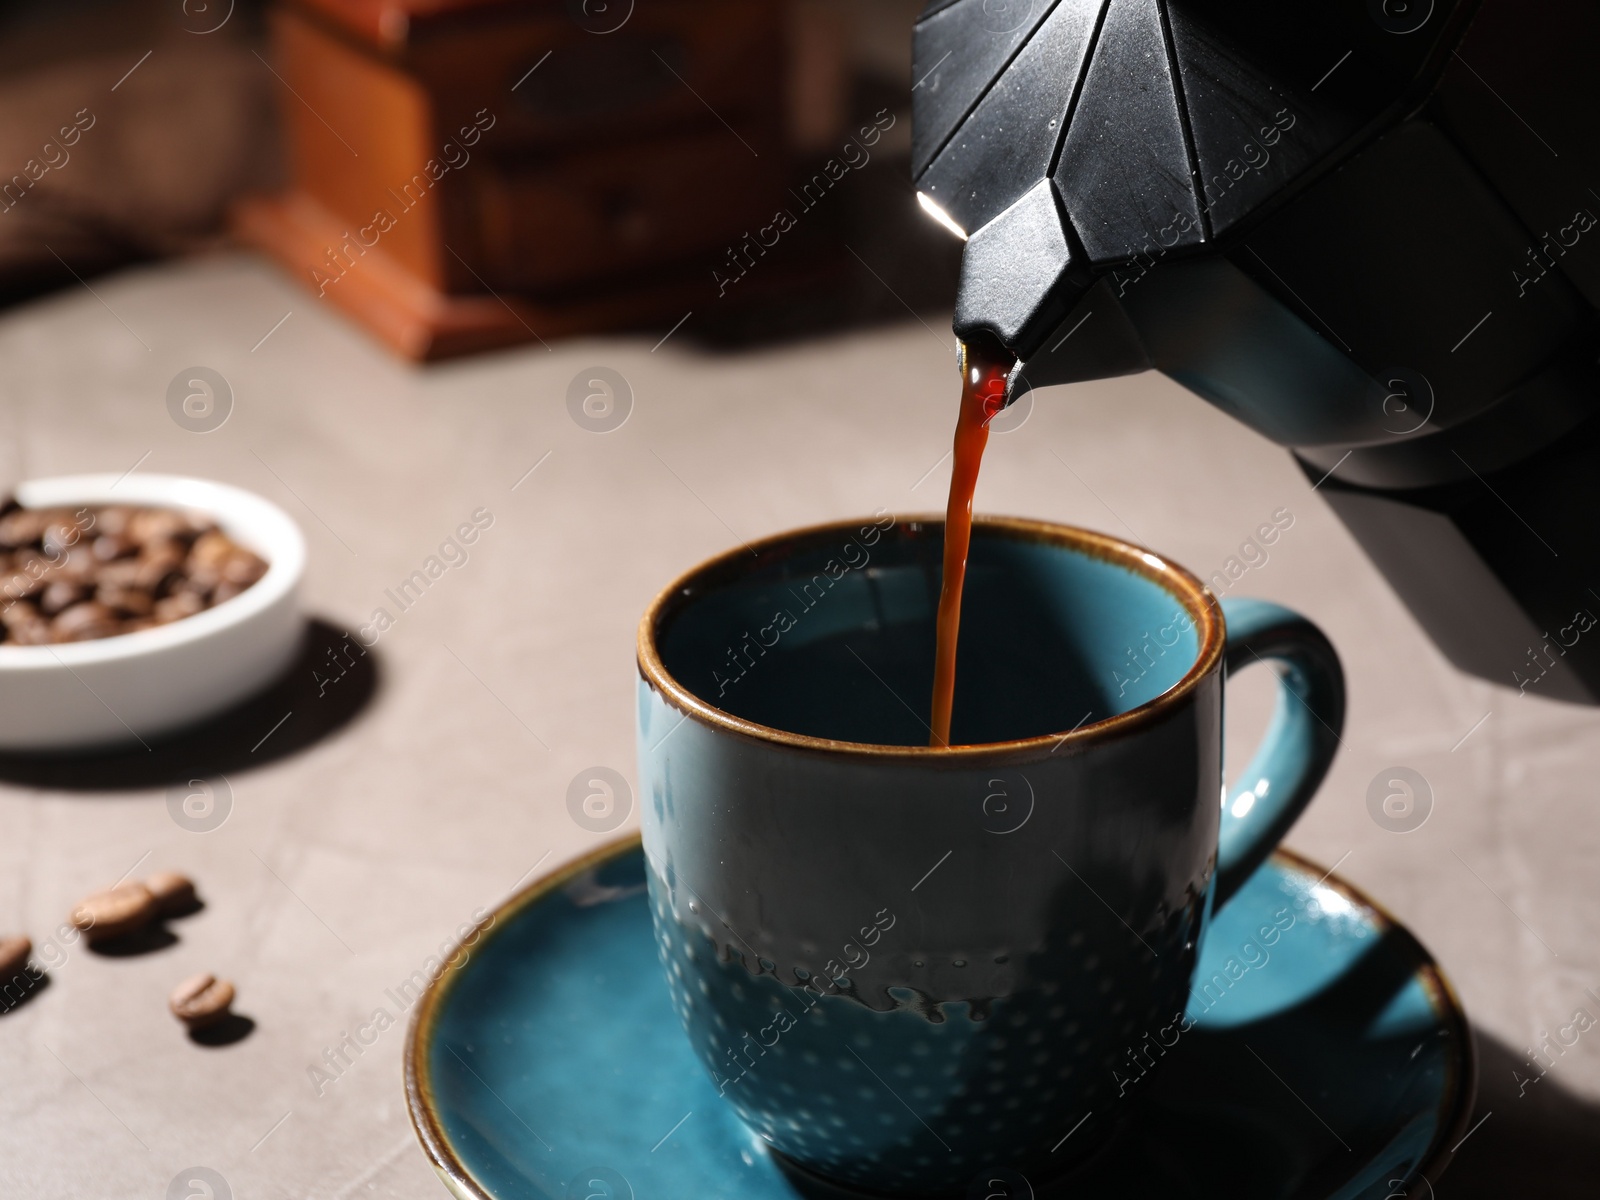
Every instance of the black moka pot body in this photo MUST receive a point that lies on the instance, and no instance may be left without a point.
(1364, 228)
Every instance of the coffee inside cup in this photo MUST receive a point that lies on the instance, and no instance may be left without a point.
(831, 634)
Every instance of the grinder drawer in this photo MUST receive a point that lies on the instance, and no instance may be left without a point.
(576, 219)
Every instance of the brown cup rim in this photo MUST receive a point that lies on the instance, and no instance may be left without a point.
(1185, 588)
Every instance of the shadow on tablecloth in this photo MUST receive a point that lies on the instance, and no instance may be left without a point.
(1541, 1139)
(328, 686)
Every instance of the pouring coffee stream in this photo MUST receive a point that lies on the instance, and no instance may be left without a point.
(1379, 266)
(983, 395)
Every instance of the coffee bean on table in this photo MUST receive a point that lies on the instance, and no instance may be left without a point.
(174, 893)
(124, 909)
(201, 1000)
(14, 953)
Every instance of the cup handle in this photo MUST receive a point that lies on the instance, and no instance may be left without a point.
(1293, 758)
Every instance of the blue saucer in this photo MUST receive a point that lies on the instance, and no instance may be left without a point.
(1330, 1061)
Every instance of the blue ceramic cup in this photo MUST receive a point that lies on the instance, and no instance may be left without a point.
(909, 968)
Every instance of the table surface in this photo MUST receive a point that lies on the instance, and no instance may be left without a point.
(353, 853)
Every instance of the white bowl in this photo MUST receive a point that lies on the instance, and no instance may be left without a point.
(137, 686)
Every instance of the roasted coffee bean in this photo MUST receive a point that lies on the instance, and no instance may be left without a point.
(123, 909)
(85, 621)
(177, 606)
(23, 625)
(174, 893)
(34, 633)
(29, 573)
(130, 601)
(18, 612)
(77, 563)
(159, 524)
(111, 546)
(61, 535)
(23, 527)
(93, 573)
(61, 594)
(201, 1000)
(242, 567)
(211, 549)
(123, 572)
(157, 564)
(202, 581)
(113, 520)
(14, 953)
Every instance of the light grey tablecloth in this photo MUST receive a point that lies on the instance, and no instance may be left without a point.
(343, 866)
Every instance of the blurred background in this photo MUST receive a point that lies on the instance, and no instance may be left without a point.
(310, 197)
(636, 175)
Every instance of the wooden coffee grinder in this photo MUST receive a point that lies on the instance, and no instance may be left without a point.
(476, 173)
